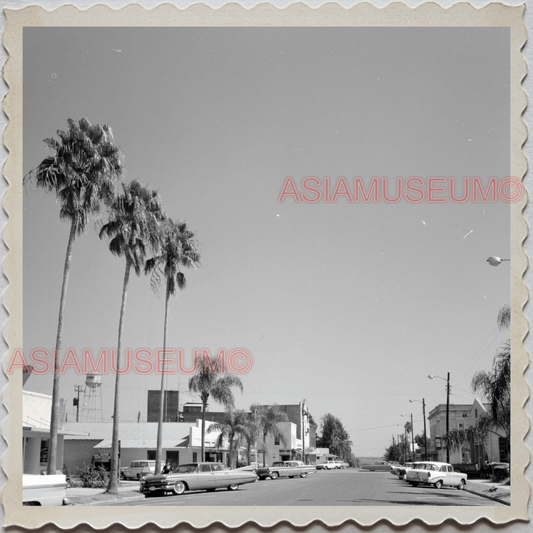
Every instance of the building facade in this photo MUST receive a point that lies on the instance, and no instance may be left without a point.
(461, 417)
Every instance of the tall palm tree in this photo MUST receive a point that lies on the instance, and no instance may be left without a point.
(496, 385)
(83, 171)
(133, 228)
(177, 247)
(268, 417)
(208, 381)
(233, 425)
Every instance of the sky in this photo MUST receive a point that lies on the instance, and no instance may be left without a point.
(347, 305)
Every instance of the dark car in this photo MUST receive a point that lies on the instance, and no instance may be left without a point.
(197, 476)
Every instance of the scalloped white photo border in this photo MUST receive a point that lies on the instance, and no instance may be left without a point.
(332, 15)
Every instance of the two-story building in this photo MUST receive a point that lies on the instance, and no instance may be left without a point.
(461, 417)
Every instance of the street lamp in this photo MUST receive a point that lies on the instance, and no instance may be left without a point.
(423, 402)
(447, 412)
(495, 261)
(412, 434)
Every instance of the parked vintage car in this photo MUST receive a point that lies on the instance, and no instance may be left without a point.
(436, 474)
(379, 466)
(44, 490)
(394, 465)
(285, 469)
(402, 470)
(196, 476)
(138, 469)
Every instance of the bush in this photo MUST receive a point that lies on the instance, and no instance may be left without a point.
(92, 477)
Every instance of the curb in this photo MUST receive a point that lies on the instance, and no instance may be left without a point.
(109, 501)
(483, 495)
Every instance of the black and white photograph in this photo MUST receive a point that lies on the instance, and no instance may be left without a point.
(270, 267)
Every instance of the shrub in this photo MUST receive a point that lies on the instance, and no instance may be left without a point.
(92, 477)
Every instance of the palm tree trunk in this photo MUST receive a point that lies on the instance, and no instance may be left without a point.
(112, 488)
(159, 451)
(264, 449)
(204, 408)
(54, 415)
(231, 452)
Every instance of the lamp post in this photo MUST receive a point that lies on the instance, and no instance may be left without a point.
(423, 402)
(303, 431)
(447, 412)
(495, 261)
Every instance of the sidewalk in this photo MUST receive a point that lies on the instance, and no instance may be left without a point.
(493, 491)
(127, 492)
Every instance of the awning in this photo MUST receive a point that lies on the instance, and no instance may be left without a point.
(149, 443)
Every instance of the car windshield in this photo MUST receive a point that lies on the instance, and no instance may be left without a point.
(185, 469)
(278, 464)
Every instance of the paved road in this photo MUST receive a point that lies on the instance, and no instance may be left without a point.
(334, 487)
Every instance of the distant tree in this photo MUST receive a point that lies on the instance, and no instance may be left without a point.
(251, 433)
(268, 418)
(335, 437)
(83, 172)
(209, 381)
(234, 424)
(393, 453)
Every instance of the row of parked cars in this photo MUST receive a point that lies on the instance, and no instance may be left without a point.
(332, 465)
(213, 476)
(430, 473)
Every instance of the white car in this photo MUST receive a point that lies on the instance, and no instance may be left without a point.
(138, 469)
(436, 474)
(44, 490)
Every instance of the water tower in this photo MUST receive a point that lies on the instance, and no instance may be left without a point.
(92, 399)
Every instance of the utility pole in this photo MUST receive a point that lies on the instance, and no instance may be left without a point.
(78, 389)
(412, 436)
(425, 434)
(447, 418)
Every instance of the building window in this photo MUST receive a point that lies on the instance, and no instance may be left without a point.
(475, 413)
(465, 415)
(44, 452)
(276, 440)
(194, 457)
(461, 426)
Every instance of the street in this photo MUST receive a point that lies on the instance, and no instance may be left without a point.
(331, 488)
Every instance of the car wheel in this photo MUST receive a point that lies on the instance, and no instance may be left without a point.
(461, 485)
(235, 486)
(401, 476)
(414, 483)
(372, 469)
(262, 478)
(138, 477)
(291, 477)
(438, 485)
(304, 475)
(179, 488)
(211, 490)
(274, 475)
